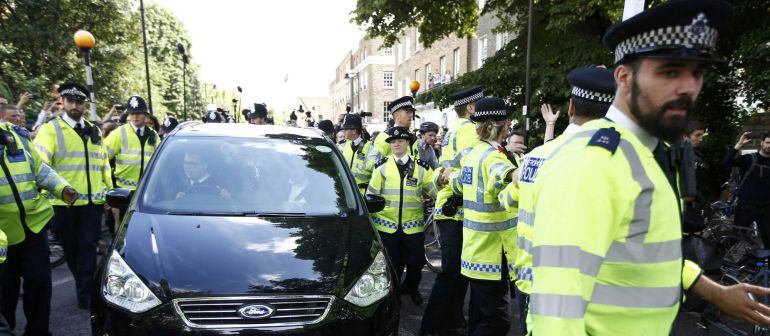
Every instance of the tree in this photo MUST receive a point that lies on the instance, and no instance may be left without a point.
(435, 19)
(567, 35)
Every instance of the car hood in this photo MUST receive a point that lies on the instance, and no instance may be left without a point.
(183, 256)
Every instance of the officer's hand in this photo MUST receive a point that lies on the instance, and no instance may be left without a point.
(514, 177)
(743, 140)
(548, 115)
(734, 300)
(69, 195)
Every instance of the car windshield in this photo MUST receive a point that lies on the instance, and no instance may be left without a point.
(255, 176)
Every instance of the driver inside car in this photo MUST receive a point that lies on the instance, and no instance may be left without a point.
(198, 177)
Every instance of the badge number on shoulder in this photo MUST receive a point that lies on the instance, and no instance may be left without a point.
(467, 175)
(531, 166)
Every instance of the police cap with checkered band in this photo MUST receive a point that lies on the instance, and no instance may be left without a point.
(592, 83)
(680, 29)
(404, 102)
(467, 96)
(490, 108)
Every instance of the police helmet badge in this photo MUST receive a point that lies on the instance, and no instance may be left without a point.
(133, 102)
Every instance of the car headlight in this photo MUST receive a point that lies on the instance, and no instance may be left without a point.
(373, 285)
(124, 289)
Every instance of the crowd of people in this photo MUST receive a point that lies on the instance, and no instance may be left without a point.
(584, 232)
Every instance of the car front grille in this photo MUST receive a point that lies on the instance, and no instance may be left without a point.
(222, 312)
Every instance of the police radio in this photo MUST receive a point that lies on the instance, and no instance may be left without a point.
(8, 140)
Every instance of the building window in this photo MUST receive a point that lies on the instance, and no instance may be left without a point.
(389, 51)
(416, 76)
(482, 52)
(407, 47)
(501, 39)
(416, 40)
(457, 62)
(442, 65)
(387, 77)
(428, 76)
(385, 112)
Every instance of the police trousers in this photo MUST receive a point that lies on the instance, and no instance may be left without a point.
(490, 305)
(79, 228)
(406, 250)
(444, 312)
(29, 261)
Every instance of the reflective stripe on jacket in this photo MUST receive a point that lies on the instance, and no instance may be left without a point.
(82, 163)
(21, 177)
(606, 253)
(131, 156)
(489, 230)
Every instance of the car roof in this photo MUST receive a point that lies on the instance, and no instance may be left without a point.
(244, 131)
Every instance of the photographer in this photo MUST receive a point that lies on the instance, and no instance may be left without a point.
(754, 189)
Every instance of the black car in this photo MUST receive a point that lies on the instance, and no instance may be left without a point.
(240, 230)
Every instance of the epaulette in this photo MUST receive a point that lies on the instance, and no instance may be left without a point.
(380, 162)
(607, 138)
(423, 164)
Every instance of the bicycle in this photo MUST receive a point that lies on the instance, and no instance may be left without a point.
(713, 317)
(432, 244)
(55, 250)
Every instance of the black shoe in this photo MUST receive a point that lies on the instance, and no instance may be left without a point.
(416, 298)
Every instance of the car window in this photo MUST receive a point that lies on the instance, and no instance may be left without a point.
(216, 175)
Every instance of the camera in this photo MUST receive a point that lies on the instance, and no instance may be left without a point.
(36, 96)
(119, 107)
(365, 114)
(451, 206)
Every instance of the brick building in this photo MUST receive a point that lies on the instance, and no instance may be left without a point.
(371, 73)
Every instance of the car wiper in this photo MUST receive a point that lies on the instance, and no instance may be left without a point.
(200, 213)
(274, 214)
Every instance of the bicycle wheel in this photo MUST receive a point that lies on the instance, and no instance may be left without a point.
(432, 245)
(56, 250)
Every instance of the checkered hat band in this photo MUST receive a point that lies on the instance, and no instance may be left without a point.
(496, 113)
(73, 92)
(591, 95)
(469, 99)
(401, 105)
(668, 36)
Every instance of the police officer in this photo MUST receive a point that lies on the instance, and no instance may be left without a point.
(621, 246)
(25, 212)
(169, 124)
(132, 145)
(444, 311)
(593, 89)
(355, 150)
(489, 230)
(258, 116)
(327, 127)
(402, 181)
(402, 110)
(73, 147)
(428, 131)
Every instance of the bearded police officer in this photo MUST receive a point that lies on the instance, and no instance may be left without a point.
(132, 145)
(356, 149)
(593, 89)
(489, 230)
(402, 181)
(621, 247)
(444, 312)
(73, 147)
(402, 110)
(24, 212)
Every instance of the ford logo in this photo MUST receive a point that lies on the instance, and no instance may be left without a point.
(256, 311)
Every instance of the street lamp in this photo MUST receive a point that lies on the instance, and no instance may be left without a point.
(85, 41)
(146, 56)
(414, 86)
(350, 76)
(240, 100)
(185, 60)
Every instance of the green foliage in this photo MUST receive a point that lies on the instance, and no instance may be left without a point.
(36, 50)
(567, 34)
(435, 19)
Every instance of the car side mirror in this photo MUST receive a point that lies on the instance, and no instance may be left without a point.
(119, 198)
(375, 203)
